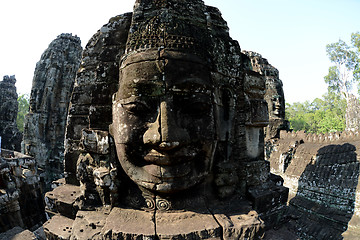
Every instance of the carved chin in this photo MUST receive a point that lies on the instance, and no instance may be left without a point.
(172, 185)
(167, 178)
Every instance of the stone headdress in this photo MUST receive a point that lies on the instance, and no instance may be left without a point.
(185, 27)
(170, 25)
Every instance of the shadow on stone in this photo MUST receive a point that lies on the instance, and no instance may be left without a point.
(325, 200)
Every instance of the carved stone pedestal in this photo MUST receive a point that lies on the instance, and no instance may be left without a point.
(137, 224)
(234, 220)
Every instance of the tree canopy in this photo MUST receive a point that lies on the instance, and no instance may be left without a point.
(327, 114)
(345, 73)
(23, 101)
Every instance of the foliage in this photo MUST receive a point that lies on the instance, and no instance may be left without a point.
(355, 40)
(346, 72)
(23, 101)
(319, 116)
(328, 113)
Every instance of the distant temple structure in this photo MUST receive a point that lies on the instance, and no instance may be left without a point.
(9, 132)
(274, 95)
(52, 85)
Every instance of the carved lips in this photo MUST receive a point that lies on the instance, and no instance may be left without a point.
(167, 166)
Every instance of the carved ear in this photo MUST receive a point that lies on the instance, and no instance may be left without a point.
(111, 126)
(111, 129)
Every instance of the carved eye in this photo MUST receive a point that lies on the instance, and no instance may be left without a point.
(136, 108)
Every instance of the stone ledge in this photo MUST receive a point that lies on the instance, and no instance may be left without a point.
(58, 227)
(120, 223)
(129, 224)
(187, 225)
(62, 199)
(17, 233)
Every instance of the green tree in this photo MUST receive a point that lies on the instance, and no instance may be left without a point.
(23, 101)
(345, 73)
(326, 114)
(298, 116)
(355, 40)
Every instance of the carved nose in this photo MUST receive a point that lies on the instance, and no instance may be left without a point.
(164, 132)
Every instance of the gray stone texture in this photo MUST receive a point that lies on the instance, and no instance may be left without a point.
(352, 115)
(17, 233)
(9, 132)
(322, 174)
(21, 200)
(96, 82)
(52, 85)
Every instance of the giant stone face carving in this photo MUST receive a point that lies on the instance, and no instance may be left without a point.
(187, 118)
(163, 121)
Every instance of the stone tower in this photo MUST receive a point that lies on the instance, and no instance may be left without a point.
(52, 85)
(274, 94)
(10, 135)
(352, 115)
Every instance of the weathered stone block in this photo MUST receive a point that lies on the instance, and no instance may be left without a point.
(88, 224)
(124, 224)
(258, 113)
(58, 228)
(62, 200)
(21, 201)
(82, 95)
(75, 109)
(75, 125)
(187, 225)
(268, 198)
(241, 226)
(255, 173)
(95, 141)
(254, 143)
(17, 233)
(254, 85)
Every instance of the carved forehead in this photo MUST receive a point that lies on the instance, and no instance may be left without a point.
(151, 75)
(160, 54)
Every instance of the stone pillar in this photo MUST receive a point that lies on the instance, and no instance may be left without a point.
(53, 82)
(11, 137)
(352, 115)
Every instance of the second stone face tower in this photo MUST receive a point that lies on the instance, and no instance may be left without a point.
(52, 85)
(9, 133)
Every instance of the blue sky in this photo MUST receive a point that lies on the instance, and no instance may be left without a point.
(291, 34)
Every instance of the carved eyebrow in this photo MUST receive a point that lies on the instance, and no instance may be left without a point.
(147, 88)
(132, 99)
(194, 81)
(192, 85)
(144, 82)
